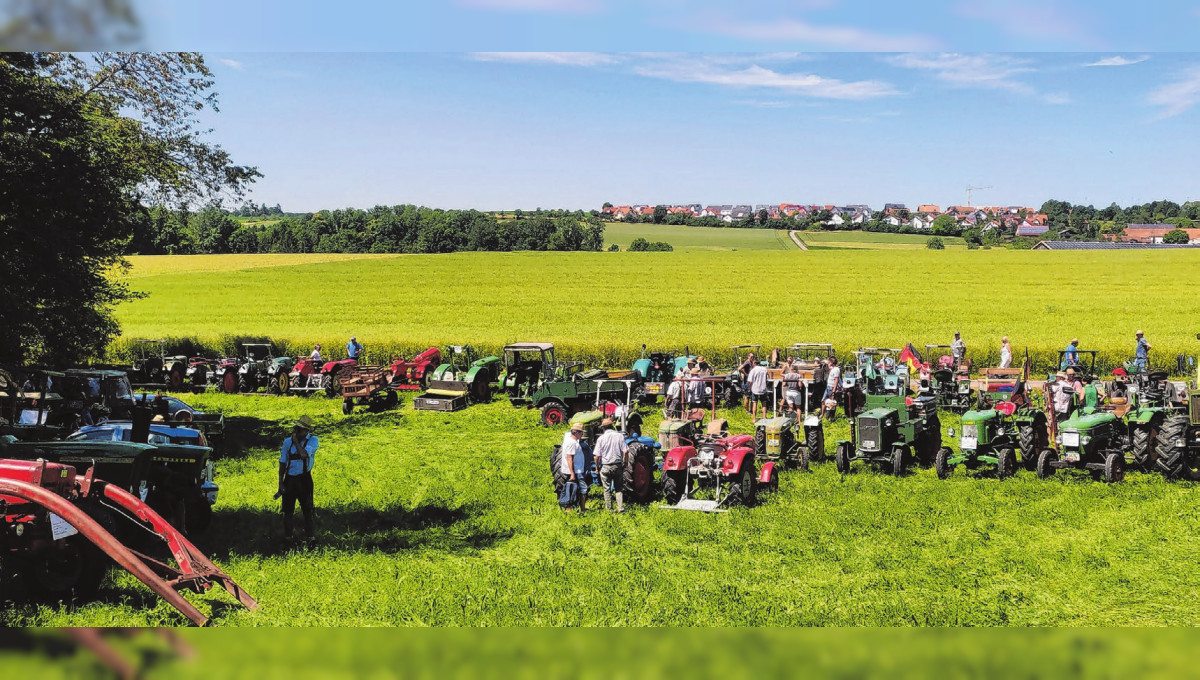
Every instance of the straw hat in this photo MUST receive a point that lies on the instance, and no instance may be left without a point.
(304, 423)
(576, 427)
(607, 422)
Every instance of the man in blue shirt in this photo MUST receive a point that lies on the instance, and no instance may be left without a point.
(353, 348)
(1143, 353)
(296, 458)
(1071, 355)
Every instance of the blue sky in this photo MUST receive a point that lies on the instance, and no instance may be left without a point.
(674, 25)
(572, 130)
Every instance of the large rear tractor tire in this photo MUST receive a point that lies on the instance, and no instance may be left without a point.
(283, 383)
(1142, 444)
(731, 397)
(554, 414)
(760, 442)
(391, 399)
(639, 474)
(335, 384)
(176, 378)
(481, 391)
(199, 379)
(229, 382)
(1172, 458)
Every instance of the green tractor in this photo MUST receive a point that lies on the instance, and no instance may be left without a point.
(893, 430)
(463, 378)
(1178, 443)
(1000, 386)
(1089, 438)
(989, 436)
(796, 436)
(529, 364)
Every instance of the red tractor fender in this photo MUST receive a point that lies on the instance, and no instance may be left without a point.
(737, 440)
(764, 477)
(736, 459)
(678, 457)
(433, 355)
(331, 366)
(304, 367)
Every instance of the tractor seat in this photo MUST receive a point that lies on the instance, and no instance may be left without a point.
(1157, 376)
(1006, 408)
(695, 415)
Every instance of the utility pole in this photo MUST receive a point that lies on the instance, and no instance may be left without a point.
(970, 189)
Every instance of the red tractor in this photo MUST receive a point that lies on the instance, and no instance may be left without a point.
(308, 377)
(59, 533)
(413, 375)
(723, 467)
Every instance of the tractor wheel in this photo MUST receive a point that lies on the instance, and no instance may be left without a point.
(899, 453)
(199, 379)
(842, 458)
(760, 442)
(731, 397)
(246, 383)
(941, 462)
(481, 391)
(802, 459)
(175, 378)
(1028, 443)
(199, 514)
(814, 442)
(74, 569)
(639, 474)
(1006, 463)
(1142, 444)
(229, 382)
(1114, 468)
(741, 490)
(673, 482)
(335, 384)
(1171, 448)
(556, 476)
(929, 442)
(773, 481)
(347, 406)
(1044, 459)
(391, 399)
(554, 414)
(633, 425)
(283, 383)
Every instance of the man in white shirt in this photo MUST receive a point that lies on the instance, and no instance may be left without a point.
(674, 395)
(757, 381)
(572, 457)
(1005, 353)
(833, 385)
(610, 454)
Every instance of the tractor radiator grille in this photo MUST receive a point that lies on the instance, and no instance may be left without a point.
(1194, 402)
(869, 433)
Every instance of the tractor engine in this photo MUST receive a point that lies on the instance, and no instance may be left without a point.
(877, 429)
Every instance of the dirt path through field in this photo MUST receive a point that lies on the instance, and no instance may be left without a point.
(796, 240)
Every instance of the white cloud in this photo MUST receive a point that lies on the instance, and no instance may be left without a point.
(987, 71)
(1178, 97)
(1044, 19)
(1119, 61)
(700, 70)
(233, 64)
(796, 30)
(559, 58)
(554, 6)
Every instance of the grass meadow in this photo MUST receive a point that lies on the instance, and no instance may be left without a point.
(432, 519)
(843, 240)
(699, 238)
(600, 307)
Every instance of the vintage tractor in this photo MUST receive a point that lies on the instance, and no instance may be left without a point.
(1178, 442)
(796, 438)
(414, 374)
(1148, 403)
(200, 373)
(107, 388)
(260, 368)
(153, 369)
(462, 379)
(225, 375)
(640, 465)
(658, 369)
(990, 436)
(1095, 442)
(527, 365)
(559, 399)
(59, 533)
(893, 430)
(948, 382)
(723, 469)
(307, 377)
(1010, 385)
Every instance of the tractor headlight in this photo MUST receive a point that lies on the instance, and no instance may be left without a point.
(19, 530)
(1070, 439)
(1085, 440)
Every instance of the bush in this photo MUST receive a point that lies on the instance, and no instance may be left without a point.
(641, 245)
(614, 248)
(935, 243)
(1177, 236)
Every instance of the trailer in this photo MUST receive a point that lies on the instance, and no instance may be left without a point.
(367, 386)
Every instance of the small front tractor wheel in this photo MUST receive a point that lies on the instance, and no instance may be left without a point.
(773, 480)
(673, 482)
(1026, 437)
(741, 490)
(554, 414)
(1114, 468)
(899, 453)
(941, 462)
(760, 442)
(1044, 459)
(347, 406)
(842, 458)
(481, 391)
(814, 442)
(731, 397)
(199, 379)
(1006, 462)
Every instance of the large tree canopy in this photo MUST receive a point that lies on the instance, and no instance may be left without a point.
(83, 143)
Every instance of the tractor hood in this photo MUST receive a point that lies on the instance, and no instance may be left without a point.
(1082, 423)
(778, 423)
(880, 413)
(587, 417)
(976, 417)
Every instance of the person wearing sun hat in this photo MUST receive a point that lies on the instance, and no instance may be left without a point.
(296, 458)
(1142, 352)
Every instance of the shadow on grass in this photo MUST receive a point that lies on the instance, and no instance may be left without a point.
(243, 433)
(393, 529)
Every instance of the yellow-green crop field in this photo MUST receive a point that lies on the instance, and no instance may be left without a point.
(601, 307)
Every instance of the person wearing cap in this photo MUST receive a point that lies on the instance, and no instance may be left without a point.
(1071, 354)
(1142, 355)
(353, 348)
(695, 387)
(1005, 353)
(296, 458)
(958, 349)
(611, 452)
(571, 465)
(1063, 401)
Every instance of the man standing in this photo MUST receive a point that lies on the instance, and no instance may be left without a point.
(833, 387)
(1143, 353)
(674, 395)
(1005, 353)
(353, 349)
(572, 458)
(611, 452)
(958, 349)
(757, 380)
(1070, 355)
(296, 459)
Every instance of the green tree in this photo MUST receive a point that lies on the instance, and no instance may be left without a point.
(944, 225)
(85, 141)
(1176, 236)
(660, 214)
(935, 243)
(639, 245)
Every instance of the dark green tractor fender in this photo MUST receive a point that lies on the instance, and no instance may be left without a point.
(1146, 415)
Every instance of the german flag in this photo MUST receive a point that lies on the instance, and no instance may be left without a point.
(912, 357)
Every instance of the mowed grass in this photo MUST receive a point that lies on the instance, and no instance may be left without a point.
(430, 519)
(602, 306)
(842, 240)
(698, 238)
(153, 265)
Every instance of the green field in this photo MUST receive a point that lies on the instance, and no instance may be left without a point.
(601, 306)
(449, 520)
(842, 240)
(698, 238)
